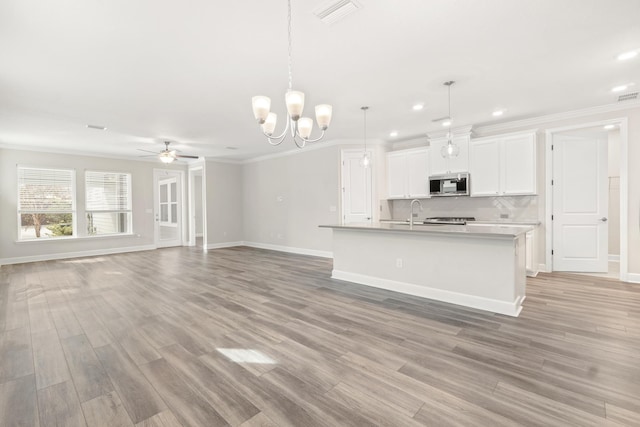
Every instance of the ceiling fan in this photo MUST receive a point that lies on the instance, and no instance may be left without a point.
(167, 155)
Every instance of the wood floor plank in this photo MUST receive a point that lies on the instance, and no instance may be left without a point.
(232, 405)
(137, 395)
(106, 410)
(59, 406)
(16, 358)
(188, 406)
(163, 419)
(50, 363)
(89, 377)
(18, 402)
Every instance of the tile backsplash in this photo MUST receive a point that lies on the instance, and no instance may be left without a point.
(505, 208)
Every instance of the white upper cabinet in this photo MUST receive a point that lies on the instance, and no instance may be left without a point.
(484, 168)
(519, 165)
(408, 174)
(440, 165)
(503, 165)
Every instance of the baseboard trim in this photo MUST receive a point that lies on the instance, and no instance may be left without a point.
(290, 249)
(508, 308)
(633, 278)
(614, 257)
(543, 268)
(67, 255)
(224, 245)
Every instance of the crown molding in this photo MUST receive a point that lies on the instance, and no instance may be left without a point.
(567, 115)
(32, 148)
(457, 131)
(315, 146)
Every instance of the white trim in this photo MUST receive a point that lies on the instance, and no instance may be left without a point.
(614, 258)
(535, 121)
(316, 146)
(632, 278)
(224, 245)
(624, 189)
(543, 268)
(492, 305)
(80, 254)
(289, 249)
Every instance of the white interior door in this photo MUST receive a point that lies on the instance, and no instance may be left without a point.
(168, 208)
(356, 188)
(580, 203)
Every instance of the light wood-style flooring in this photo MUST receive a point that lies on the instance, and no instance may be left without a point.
(249, 337)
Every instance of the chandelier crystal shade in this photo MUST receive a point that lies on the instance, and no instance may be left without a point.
(300, 127)
(450, 150)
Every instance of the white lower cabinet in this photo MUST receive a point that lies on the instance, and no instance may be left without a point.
(530, 250)
(408, 174)
(503, 165)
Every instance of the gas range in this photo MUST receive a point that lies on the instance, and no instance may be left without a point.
(449, 220)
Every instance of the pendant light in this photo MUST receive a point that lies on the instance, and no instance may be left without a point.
(301, 127)
(366, 161)
(450, 150)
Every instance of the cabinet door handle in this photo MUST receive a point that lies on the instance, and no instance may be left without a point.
(604, 219)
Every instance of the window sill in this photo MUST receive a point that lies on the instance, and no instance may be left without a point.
(66, 239)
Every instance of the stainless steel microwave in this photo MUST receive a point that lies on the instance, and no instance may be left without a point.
(455, 184)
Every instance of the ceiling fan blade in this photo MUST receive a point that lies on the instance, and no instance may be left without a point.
(440, 119)
(149, 155)
(184, 156)
(147, 151)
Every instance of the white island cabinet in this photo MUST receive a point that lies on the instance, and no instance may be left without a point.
(479, 267)
(408, 174)
(503, 165)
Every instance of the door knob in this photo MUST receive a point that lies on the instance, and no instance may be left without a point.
(603, 219)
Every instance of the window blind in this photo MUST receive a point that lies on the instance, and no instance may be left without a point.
(108, 191)
(45, 190)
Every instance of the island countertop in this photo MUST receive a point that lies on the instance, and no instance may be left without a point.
(469, 230)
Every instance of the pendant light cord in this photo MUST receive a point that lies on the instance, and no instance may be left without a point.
(365, 128)
(289, 38)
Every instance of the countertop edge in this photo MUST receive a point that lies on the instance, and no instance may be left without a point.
(461, 231)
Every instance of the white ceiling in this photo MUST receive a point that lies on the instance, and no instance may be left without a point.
(151, 70)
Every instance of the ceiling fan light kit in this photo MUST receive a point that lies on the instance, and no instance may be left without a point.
(168, 156)
(300, 127)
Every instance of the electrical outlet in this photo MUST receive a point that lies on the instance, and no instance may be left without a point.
(280, 236)
(504, 216)
(399, 262)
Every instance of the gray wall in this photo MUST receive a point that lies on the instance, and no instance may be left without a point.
(224, 203)
(286, 198)
(142, 199)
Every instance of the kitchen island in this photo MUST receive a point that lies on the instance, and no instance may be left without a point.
(471, 265)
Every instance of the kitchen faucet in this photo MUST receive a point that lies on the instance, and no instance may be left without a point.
(411, 217)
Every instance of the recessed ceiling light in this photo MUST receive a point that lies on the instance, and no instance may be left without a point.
(497, 113)
(418, 107)
(393, 133)
(231, 148)
(446, 123)
(97, 127)
(609, 127)
(619, 88)
(627, 55)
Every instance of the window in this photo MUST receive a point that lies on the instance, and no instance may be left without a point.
(108, 202)
(46, 203)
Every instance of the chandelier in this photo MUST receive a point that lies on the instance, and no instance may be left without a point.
(300, 127)
(450, 150)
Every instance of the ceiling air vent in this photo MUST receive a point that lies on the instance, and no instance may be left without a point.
(628, 96)
(334, 11)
